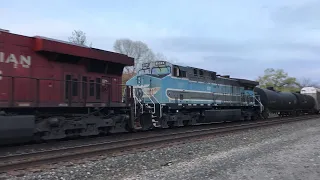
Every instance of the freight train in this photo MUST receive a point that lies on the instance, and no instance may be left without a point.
(51, 89)
(173, 95)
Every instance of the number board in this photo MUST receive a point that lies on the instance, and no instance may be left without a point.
(160, 63)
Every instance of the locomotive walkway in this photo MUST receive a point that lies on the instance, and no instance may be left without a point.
(44, 158)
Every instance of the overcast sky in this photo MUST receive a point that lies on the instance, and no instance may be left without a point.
(239, 38)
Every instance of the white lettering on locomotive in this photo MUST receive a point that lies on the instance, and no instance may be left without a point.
(25, 61)
(1, 56)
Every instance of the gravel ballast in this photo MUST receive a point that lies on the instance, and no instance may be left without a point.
(287, 151)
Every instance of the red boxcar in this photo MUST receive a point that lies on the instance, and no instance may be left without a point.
(42, 72)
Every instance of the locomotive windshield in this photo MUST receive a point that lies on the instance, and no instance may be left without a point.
(161, 70)
(155, 68)
(144, 71)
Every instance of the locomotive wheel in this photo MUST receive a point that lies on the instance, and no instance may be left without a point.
(37, 138)
(265, 115)
(186, 123)
(254, 118)
(146, 121)
(246, 118)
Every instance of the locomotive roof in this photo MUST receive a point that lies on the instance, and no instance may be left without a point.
(44, 44)
(247, 82)
(62, 47)
(244, 82)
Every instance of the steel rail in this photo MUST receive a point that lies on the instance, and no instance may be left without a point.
(26, 160)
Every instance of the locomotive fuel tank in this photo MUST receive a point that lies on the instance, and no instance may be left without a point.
(16, 129)
(305, 102)
(276, 101)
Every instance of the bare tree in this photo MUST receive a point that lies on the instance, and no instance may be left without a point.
(174, 60)
(306, 82)
(135, 49)
(162, 57)
(79, 37)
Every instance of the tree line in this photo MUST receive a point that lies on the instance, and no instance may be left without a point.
(142, 53)
(138, 50)
(281, 81)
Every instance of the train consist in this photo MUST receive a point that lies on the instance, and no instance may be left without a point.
(51, 89)
(173, 95)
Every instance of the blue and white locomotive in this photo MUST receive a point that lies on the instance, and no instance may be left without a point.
(168, 95)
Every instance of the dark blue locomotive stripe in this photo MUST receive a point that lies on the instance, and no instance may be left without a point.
(195, 95)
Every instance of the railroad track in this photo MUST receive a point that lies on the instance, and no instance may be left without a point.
(31, 160)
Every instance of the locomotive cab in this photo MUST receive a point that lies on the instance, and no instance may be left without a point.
(148, 95)
(147, 81)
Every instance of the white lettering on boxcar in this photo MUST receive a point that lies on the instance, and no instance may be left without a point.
(12, 59)
(1, 56)
(24, 61)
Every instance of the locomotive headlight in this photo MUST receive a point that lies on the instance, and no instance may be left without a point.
(139, 80)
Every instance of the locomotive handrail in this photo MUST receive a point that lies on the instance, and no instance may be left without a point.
(261, 105)
(154, 105)
(160, 106)
(51, 79)
(135, 105)
(34, 89)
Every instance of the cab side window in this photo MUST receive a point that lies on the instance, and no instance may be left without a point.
(201, 73)
(179, 73)
(98, 88)
(195, 72)
(176, 72)
(91, 88)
